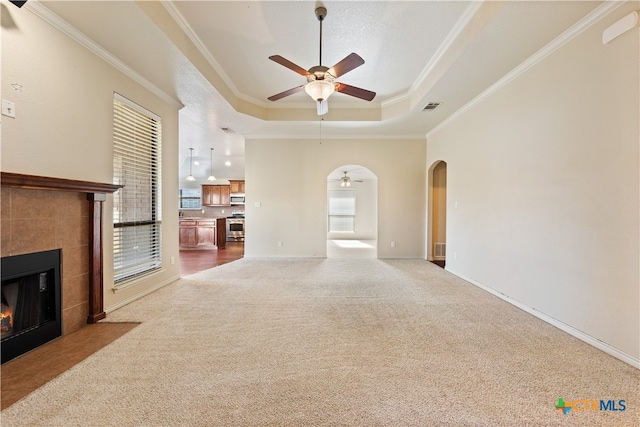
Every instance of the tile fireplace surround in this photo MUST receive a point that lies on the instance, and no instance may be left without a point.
(41, 213)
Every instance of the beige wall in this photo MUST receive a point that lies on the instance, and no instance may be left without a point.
(63, 124)
(543, 188)
(289, 180)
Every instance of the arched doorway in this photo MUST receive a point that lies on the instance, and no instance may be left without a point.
(352, 213)
(438, 213)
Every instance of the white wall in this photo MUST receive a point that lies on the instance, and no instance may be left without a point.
(289, 180)
(543, 188)
(63, 125)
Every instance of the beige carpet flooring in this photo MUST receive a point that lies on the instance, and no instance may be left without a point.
(331, 342)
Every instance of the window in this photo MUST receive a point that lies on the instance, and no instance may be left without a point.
(190, 198)
(136, 206)
(342, 211)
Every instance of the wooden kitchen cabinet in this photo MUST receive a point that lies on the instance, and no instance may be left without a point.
(236, 187)
(188, 234)
(216, 195)
(221, 233)
(208, 233)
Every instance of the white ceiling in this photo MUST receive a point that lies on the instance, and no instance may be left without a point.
(212, 58)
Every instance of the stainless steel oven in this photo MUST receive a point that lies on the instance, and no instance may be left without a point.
(235, 227)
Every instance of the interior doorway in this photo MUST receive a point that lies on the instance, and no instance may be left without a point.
(352, 213)
(437, 250)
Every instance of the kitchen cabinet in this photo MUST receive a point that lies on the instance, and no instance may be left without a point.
(236, 187)
(188, 234)
(203, 233)
(206, 234)
(221, 233)
(216, 195)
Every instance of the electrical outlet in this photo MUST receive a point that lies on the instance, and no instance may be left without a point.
(173, 260)
(393, 244)
(280, 243)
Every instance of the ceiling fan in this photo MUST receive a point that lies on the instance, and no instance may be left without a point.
(345, 181)
(320, 79)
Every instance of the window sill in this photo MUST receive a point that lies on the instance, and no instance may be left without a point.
(136, 281)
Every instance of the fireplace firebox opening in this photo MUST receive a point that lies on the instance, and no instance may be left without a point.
(31, 310)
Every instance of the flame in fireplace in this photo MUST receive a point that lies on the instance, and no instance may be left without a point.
(6, 319)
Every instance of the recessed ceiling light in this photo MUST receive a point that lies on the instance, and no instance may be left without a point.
(228, 163)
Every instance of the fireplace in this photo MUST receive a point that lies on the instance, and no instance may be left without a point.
(31, 313)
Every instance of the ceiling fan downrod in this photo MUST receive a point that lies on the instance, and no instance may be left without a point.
(321, 13)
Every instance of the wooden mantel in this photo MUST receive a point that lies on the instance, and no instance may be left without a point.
(96, 195)
(16, 180)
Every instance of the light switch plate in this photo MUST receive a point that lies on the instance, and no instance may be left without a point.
(8, 108)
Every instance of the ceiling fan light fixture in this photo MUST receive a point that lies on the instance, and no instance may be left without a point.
(319, 90)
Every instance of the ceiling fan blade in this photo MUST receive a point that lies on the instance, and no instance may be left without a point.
(290, 65)
(367, 95)
(351, 61)
(286, 93)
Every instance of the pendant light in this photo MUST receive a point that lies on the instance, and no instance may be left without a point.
(190, 177)
(211, 177)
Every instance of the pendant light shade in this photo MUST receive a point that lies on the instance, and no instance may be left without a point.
(211, 177)
(190, 177)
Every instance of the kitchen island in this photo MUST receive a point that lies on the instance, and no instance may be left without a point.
(202, 233)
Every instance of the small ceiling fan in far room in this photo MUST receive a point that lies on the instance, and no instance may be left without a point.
(320, 79)
(346, 181)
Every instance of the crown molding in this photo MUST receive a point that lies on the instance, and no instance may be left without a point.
(575, 30)
(44, 13)
(184, 25)
(451, 38)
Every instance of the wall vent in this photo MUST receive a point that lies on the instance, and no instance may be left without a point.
(431, 106)
(228, 130)
(439, 250)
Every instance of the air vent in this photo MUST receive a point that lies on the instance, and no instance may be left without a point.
(431, 106)
(440, 250)
(228, 130)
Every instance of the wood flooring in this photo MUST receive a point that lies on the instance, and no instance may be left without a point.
(26, 373)
(193, 261)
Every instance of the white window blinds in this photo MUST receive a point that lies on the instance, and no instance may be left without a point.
(136, 206)
(342, 210)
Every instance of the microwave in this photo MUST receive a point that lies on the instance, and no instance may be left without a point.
(237, 199)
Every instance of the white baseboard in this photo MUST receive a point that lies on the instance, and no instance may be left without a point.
(627, 358)
(141, 294)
